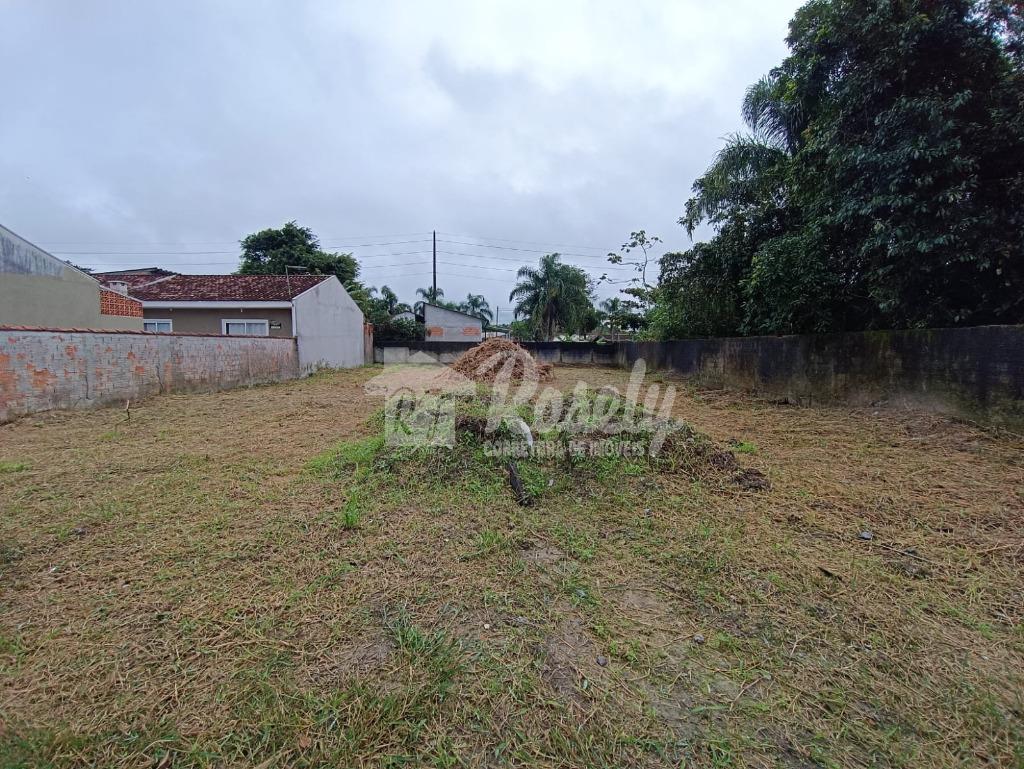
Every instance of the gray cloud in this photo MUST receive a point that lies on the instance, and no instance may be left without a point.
(133, 128)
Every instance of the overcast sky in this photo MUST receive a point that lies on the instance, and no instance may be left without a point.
(136, 131)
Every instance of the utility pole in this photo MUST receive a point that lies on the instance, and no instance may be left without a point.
(435, 267)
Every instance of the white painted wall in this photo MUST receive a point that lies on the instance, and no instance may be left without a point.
(329, 327)
(444, 325)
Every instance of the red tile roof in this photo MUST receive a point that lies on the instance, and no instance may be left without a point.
(131, 280)
(226, 288)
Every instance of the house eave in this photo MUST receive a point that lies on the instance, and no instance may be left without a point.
(162, 304)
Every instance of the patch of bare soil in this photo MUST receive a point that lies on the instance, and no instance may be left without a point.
(541, 554)
(569, 660)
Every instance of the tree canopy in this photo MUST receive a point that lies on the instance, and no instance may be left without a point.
(880, 183)
(269, 251)
(554, 298)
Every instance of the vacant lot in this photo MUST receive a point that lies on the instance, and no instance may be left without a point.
(201, 586)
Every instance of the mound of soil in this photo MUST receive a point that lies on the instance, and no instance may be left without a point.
(491, 358)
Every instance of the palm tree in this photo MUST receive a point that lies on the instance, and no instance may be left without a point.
(477, 305)
(391, 303)
(429, 295)
(609, 312)
(554, 297)
(752, 167)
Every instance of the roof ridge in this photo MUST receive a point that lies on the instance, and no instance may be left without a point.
(227, 287)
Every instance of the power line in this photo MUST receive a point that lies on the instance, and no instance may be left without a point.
(527, 242)
(476, 267)
(515, 248)
(137, 253)
(338, 241)
(403, 264)
(124, 257)
(520, 260)
(468, 266)
(190, 252)
(477, 277)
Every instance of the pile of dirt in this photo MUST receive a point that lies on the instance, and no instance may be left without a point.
(490, 359)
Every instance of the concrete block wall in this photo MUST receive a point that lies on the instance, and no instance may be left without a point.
(43, 369)
(975, 373)
(565, 353)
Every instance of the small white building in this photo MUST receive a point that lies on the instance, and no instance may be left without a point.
(444, 325)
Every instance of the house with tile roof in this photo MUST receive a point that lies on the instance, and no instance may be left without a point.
(314, 309)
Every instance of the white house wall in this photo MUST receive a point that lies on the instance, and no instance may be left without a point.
(329, 327)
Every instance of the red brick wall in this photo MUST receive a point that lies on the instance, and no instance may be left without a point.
(113, 303)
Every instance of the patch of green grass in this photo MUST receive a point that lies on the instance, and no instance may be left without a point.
(12, 653)
(745, 447)
(10, 552)
(13, 467)
(579, 591)
(350, 519)
(578, 543)
(351, 458)
(351, 513)
(488, 542)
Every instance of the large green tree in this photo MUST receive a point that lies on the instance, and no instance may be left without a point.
(881, 183)
(555, 298)
(914, 173)
(270, 251)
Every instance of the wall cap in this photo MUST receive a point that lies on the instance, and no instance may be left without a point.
(135, 332)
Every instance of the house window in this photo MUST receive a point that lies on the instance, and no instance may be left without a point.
(245, 327)
(160, 326)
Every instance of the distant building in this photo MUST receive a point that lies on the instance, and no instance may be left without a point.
(315, 309)
(444, 325)
(38, 289)
(407, 315)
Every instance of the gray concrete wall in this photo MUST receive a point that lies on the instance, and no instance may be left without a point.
(193, 321)
(38, 289)
(976, 373)
(443, 325)
(43, 370)
(419, 352)
(572, 353)
(565, 353)
(329, 327)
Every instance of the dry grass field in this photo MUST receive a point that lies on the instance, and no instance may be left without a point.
(235, 579)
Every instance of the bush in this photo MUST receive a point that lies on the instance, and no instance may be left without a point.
(402, 330)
